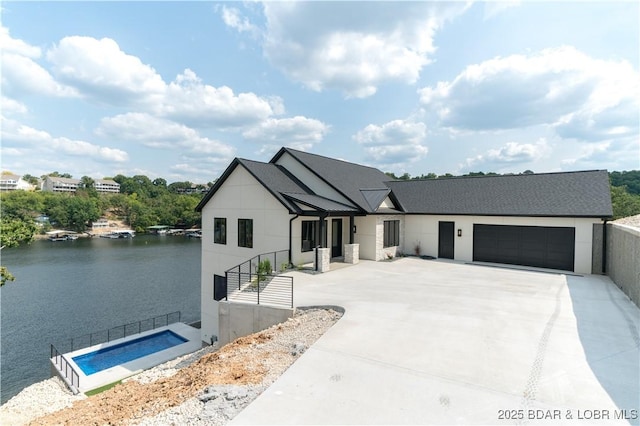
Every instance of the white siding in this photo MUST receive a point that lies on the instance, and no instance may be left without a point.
(240, 197)
(423, 230)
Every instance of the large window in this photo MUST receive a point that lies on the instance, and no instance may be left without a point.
(220, 230)
(245, 233)
(309, 234)
(391, 233)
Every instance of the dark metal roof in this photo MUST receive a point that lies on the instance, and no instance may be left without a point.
(346, 178)
(375, 197)
(276, 179)
(568, 194)
(320, 203)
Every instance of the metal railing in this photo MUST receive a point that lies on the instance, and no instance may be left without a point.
(68, 373)
(247, 282)
(121, 331)
(66, 370)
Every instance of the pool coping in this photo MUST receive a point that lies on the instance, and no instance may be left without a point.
(122, 371)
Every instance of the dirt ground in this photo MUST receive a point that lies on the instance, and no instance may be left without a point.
(244, 361)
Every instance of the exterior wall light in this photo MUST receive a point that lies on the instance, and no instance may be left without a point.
(459, 232)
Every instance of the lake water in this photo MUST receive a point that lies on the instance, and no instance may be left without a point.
(71, 288)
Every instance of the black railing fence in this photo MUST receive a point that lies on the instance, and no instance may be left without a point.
(67, 371)
(125, 330)
(251, 282)
(69, 374)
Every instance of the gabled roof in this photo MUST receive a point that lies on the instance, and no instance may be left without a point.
(276, 179)
(346, 178)
(568, 194)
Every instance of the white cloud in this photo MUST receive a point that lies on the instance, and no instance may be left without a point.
(288, 130)
(11, 106)
(234, 19)
(9, 44)
(14, 132)
(99, 69)
(561, 87)
(20, 71)
(510, 153)
(395, 143)
(353, 47)
(495, 7)
(160, 133)
(594, 153)
(189, 100)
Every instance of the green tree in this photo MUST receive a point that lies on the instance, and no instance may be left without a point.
(630, 179)
(30, 179)
(22, 205)
(87, 187)
(624, 204)
(13, 232)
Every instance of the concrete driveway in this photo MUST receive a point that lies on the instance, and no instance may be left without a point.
(434, 342)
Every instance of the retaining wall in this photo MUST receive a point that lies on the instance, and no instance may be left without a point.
(239, 319)
(623, 259)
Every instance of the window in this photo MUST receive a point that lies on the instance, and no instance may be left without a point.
(220, 230)
(391, 233)
(309, 235)
(245, 233)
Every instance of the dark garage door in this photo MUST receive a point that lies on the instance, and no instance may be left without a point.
(540, 246)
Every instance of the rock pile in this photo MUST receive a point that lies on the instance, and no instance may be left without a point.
(208, 387)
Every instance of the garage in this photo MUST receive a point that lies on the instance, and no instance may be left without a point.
(539, 246)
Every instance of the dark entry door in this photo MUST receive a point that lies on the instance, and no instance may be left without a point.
(445, 239)
(336, 238)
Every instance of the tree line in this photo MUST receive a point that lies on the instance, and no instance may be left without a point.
(141, 203)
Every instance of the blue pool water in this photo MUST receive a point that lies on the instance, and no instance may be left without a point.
(102, 359)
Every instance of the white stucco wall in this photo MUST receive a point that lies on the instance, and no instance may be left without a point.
(423, 229)
(370, 236)
(240, 197)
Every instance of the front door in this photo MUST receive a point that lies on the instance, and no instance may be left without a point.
(445, 239)
(336, 238)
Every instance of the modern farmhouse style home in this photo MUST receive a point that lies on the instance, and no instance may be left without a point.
(299, 201)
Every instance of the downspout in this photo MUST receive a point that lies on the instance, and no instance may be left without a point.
(604, 248)
(290, 239)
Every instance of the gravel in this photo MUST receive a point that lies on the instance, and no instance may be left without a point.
(215, 404)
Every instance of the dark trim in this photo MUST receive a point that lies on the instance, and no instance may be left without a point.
(287, 150)
(290, 237)
(501, 215)
(318, 213)
(604, 247)
(227, 172)
(318, 208)
(225, 175)
(352, 224)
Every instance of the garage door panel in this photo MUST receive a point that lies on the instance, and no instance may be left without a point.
(539, 246)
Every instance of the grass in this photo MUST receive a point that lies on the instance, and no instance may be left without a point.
(102, 388)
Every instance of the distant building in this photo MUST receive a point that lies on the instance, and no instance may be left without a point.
(104, 185)
(60, 184)
(193, 189)
(11, 182)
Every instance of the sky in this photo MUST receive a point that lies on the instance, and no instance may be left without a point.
(178, 89)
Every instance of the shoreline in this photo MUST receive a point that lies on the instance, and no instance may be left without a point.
(207, 387)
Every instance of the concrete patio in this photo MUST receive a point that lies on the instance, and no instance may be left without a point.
(435, 342)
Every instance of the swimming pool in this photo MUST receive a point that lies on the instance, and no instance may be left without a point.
(102, 359)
